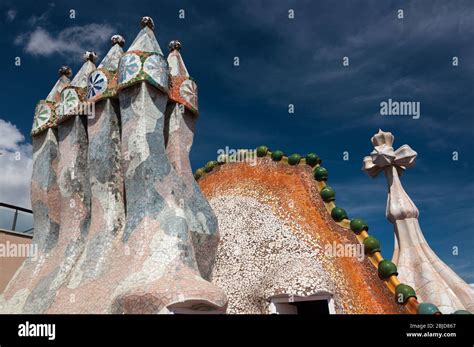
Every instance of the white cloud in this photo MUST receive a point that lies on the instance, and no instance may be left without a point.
(70, 41)
(16, 164)
(10, 136)
(42, 18)
(11, 15)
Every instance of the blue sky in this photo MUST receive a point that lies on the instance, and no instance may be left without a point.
(292, 61)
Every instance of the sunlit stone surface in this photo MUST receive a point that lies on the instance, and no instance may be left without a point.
(122, 226)
(418, 265)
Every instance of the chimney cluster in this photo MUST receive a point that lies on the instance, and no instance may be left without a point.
(119, 220)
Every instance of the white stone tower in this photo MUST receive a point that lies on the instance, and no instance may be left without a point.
(418, 265)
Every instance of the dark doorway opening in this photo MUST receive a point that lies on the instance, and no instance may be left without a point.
(313, 308)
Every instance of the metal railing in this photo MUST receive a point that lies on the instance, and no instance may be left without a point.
(16, 219)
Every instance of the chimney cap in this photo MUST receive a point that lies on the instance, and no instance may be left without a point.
(117, 40)
(147, 22)
(90, 55)
(174, 45)
(65, 71)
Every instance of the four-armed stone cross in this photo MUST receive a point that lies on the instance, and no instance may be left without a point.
(418, 265)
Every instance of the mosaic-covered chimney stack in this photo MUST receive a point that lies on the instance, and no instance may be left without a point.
(180, 122)
(74, 190)
(45, 192)
(160, 222)
(104, 164)
(123, 225)
(45, 196)
(418, 265)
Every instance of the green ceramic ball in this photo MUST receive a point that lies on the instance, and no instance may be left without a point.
(403, 292)
(427, 308)
(320, 174)
(338, 214)
(211, 165)
(294, 159)
(262, 151)
(312, 159)
(357, 225)
(277, 155)
(371, 245)
(199, 173)
(386, 269)
(328, 194)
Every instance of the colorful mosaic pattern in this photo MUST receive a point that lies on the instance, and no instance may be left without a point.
(130, 66)
(159, 254)
(136, 66)
(71, 103)
(97, 84)
(102, 84)
(184, 91)
(45, 116)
